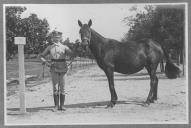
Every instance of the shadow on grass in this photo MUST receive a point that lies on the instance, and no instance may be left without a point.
(119, 74)
(124, 78)
(79, 105)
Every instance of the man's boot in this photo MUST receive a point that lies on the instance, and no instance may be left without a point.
(56, 102)
(62, 99)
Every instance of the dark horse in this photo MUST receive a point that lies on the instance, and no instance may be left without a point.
(127, 58)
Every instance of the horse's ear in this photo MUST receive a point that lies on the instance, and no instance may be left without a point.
(79, 23)
(90, 23)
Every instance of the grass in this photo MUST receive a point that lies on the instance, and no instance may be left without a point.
(33, 67)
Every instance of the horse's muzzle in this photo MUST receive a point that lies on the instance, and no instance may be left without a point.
(85, 41)
(85, 46)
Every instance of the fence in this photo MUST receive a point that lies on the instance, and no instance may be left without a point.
(76, 64)
(34, 68)
(81, 62)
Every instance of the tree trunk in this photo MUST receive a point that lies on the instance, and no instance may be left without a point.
(183, 60)
(178, 57)
(162, 66)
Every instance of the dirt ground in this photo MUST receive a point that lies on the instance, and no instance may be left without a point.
(88, 95)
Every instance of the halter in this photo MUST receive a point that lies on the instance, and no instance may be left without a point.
(87, 39)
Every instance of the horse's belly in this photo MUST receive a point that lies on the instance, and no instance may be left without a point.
(128, 68)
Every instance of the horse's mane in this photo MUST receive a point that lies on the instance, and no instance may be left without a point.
(96, 33)
(132, 44)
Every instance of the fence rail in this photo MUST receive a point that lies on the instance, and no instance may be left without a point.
(33, 67)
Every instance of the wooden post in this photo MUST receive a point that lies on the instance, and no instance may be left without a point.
(21, 41)
(43, 71)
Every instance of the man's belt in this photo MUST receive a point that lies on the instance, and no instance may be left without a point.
(58, 60)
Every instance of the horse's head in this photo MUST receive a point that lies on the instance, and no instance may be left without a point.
(85, 32)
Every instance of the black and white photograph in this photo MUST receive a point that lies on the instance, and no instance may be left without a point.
(96, 64)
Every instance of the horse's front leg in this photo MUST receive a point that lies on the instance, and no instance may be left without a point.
(110, 77)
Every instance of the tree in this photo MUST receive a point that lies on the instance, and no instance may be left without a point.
(13, 17)
(171, 21)
(165, 24)
(34, 29)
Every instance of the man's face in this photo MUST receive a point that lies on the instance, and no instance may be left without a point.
(56, 39)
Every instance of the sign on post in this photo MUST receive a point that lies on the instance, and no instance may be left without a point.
(21, 41)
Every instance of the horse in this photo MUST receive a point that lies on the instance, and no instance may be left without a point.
(127, 58)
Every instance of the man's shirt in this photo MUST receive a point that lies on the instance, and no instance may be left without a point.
(56, 51)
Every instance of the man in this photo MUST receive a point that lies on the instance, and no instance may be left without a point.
(58, 68)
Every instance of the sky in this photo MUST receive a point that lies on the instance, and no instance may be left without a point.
(106, 18)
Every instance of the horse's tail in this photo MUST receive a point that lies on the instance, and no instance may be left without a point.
(172, 71)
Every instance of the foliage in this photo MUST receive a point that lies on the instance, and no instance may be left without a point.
(12, 19)
(78, 50)
(36, 32)
(34, 29)
(165, 24)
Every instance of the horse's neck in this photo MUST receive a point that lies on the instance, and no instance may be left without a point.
(96, 43)
(96, 40)
(96, 34)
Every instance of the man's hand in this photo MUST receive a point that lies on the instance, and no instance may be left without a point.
(48, 64)
(45, 62)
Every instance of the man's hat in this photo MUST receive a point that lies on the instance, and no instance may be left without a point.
(56, 34)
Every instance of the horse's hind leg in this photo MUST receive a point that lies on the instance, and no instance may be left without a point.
(155, 89)
(154, 80)
(153, 84)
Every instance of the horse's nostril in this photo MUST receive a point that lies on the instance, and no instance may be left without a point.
(85, 41)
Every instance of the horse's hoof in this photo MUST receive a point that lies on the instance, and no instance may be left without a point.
(110, 105)
(155, 98)
(147, 103)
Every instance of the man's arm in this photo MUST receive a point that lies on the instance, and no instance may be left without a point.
(67, 50)
(43, 55)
